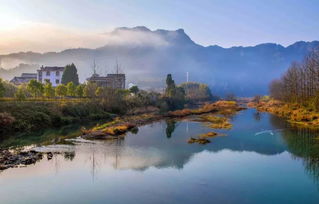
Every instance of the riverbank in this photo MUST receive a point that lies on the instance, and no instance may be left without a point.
(27, 116)
(295, 114)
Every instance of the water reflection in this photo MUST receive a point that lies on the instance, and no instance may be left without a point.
(69, 155)
(148, 148)
(170, 127)
(257, 115)
(303, 144)
(146, 160)
(43, 136)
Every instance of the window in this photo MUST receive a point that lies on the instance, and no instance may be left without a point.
(57, 73)
(48, 73)
(57, 81)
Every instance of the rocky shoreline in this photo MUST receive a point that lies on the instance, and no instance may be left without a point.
(12, 159)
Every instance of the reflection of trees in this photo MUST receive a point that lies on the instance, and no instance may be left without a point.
(69, 155)
(257, 116)
(134, 130)
(303, 143)
(170, 127)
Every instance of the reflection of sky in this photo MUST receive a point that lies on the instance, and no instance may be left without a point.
(247, 177)
(150, 168)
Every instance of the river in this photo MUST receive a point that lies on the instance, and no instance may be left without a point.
(260, 160)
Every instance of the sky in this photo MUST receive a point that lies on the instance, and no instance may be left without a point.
(54, 25)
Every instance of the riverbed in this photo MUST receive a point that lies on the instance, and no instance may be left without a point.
(260, 160)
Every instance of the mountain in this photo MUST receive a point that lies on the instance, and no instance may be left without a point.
(146, 57)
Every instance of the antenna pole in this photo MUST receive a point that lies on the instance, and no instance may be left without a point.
(117, 67)
(94, 67)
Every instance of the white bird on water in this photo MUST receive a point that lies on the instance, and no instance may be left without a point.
(271, 132)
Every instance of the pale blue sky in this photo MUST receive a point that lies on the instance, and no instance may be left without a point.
(208, 22)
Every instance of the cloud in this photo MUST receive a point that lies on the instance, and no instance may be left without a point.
(138, 36)
(40, 37)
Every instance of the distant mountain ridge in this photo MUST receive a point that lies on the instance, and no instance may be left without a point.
(147, 56)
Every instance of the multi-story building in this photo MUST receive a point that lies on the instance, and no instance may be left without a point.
(50, 74)
(24, 78)
(115, 81)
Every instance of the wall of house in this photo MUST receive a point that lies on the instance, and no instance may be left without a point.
(52, 78)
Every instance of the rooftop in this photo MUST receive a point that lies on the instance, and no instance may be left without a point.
(29, 75)
(51, 68)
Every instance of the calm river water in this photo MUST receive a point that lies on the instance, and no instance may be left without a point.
(261, 160)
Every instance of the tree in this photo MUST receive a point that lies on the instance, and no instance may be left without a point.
(70, 74)
(300, 83)
(9, 89)
(61, 90)
(71, 89)
(49, 90)
(230, 97)
(89, 89)
(20, 94)
(79, 91)
(99, 91)
(174, 96)
(197, 91)
(35, 88)
(170, 86)
(2, 89)
(134, 89)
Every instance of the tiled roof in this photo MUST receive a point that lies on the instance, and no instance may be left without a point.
(115, 75)
(20, 80)
(96, 77)
(51, 69)
(29, 75)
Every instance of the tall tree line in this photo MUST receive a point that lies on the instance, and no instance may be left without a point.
(300, 83)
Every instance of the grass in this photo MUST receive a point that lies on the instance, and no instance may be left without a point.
(296, 114)
(108, 124)
(119, 129)
(216, 122)
(222, 107)
(31, 115)
(199, 140)
(209, 134)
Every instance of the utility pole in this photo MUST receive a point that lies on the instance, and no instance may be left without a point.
(187, 79)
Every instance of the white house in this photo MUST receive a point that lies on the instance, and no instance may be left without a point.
(50, 74)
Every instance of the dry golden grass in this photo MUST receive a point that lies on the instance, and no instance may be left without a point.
(209, 134)
(216, 122)
(223, 107)
(294, 113)
(199, 140)
(118, 130)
